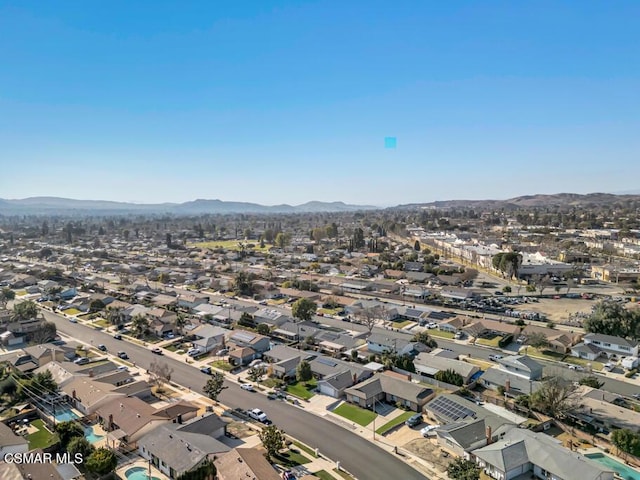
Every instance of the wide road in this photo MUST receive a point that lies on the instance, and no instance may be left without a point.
(359, 456)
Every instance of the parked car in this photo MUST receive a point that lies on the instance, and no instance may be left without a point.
(157, 351)
(102, 348)
(258, 415)
(73, 320)
(432, 325)
(206, 370)
(636, 396)
(194, 352)
(81, 361)
(429, 430)
(248, 387)
(117, 336)
(123, 355)
(495, 358)
(458, 335)
(122, 368)
(224, 351)
(414, 420)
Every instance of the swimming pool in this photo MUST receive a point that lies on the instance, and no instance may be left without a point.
(65, 415)
(91, 436)
(138, 473)
(625, 472)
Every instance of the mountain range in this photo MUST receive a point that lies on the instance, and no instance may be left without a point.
(57, 206)
(65, 206)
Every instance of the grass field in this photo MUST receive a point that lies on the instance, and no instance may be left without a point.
(232, 245)
(440, 333)
(42, 438)
(222, 365)
(299, 389)
(342, 474)
(402, 324)
(355, 414)
(400, 419)
(324, 475)
(329, 311)
(72, 311)
(291, 459)
(489, 342)
(102, 322)
(305, 448)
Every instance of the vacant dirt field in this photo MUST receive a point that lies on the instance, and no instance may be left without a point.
(559, 309)
(240, 429)
(429, 451)
(403, 434)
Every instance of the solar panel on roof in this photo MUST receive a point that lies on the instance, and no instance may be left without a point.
(244, 336)
(326, 361)
(450, 409)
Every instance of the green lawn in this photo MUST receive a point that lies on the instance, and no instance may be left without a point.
(490, 342)
(344, 475)
(394, 423)
(324, 475)
(440, 333)
(72, 311)
(559, 357)
(355, 414)
(102, 322)
(329, 311)
(280, 301)
(232, 245)
(42, 438)
(222, 365)
(20, 293)
(300, 390)
(305, 448)
(172, 347)
(402, 324)
(291, 459)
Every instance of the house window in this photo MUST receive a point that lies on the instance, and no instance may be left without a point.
(628, 349)
(607, 344)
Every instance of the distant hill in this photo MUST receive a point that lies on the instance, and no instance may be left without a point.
(56, 205)
(528, 201)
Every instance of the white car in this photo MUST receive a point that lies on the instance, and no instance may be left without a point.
(258, 415)
(194, 351)
(248, 387)
(429, 430)
(432, 325)
(495, 358)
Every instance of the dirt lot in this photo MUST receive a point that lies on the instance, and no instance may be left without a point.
(403, 434)
(240, 429)
(429, 451)
(559, 309)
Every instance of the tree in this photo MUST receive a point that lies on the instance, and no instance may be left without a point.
(591, 381)
(181, 322)
(416, 246)
(214, 386)
(46, 332)
(541, 283)
(160, 372)
(67, 431)
(102, 461)
(612, 318)
(255, 374)
(303, 309)
(506, 289)
(24, 311)
(538, 340)
(508, 263)
(80, 445)
(246, 320)
(114, 315)
(626, 440)
(140, 325)
(6, 295)
(243, 284)
(469, 275)
(368, 316)
(263, 329)
(555, 398)
(425, 339)
(282, 239)
(449, 376)
(461, 469)
(96, 305)
(303, 371)
(272, 439)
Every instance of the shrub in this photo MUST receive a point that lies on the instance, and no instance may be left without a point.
(504, 341)
(631, 373)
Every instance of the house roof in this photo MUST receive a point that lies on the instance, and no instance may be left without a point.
(130, 414)
(90, 391)
(521, 362)
(432, 364)
(518, 383)
(586, 348)
(8, 438)
(339, 381)
(598, 337)
(381, 383)
(521, 445)
(245, 463)
(179, 449)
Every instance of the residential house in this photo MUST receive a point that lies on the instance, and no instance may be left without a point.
(603, 410)
(465, 425)
(457, 293)
(132, 311)
(324, 367)
(491, 327)
(430, 365)
(453, 325)
(162, 321)
(47, 352)
(517, 374)
(522, 452)
(605, 345)
(248, 463)
(380, 343)
(245, 338)
(208, 337)
(270, 316)
(178, 448)
(559, 341)
(191, 300)
(128, 419)
(336, 384)
(390, 389)
(10, 442)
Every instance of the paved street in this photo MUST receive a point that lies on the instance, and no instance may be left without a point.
(357, 455)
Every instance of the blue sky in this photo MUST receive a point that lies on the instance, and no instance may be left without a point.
(285, 102)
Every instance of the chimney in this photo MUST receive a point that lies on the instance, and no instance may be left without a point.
(180, 419)
(507, 385)
(488, 435)
(110, 426)
(73, 394)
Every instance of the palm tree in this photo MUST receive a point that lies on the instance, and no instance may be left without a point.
(114, 315)
(181, 321)
(25, 310)
(140, 325)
